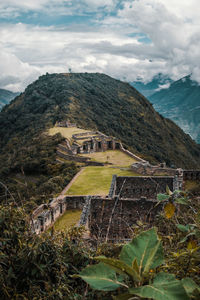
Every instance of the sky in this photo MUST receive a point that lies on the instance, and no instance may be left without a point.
(128, 40)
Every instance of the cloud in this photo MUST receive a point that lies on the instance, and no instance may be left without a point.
(125, 39)
(173, 28)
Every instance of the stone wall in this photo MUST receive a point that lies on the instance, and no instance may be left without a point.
(75, 202)
(46, 215)
(136, 187)
(131, 154)
(145, 168)
(126, 214)
(73, 157)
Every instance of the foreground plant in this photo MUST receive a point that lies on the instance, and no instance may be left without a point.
(135, 273)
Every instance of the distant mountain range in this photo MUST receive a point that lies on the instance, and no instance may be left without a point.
(179, 102)
(159, 82)
(6, 96)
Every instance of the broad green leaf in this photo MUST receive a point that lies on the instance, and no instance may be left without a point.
(162, 197)
(164, 287)
(147, 250)
(101, 277)
(120, 267)
(183, 228)
(190, 286)
(135, 266)
(183, 201)
(123, 297)
(169, 210)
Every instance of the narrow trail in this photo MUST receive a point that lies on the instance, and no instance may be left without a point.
(62, 194)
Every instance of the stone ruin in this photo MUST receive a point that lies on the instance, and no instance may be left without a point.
(145, 168)
(110, 218)
(130, 199)
(85, 143)
(67, 124)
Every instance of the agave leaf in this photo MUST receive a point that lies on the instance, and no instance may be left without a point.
(120, 267)
(164, 287)
(146, 249)
(101, 277)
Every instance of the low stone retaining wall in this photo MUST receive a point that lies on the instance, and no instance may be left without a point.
(73, 157)
(131, 154)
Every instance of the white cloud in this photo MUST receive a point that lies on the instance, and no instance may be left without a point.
(113, 44)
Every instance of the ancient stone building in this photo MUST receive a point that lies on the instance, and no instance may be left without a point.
(130, 199)
(112, 219)
(93, 142)
(140, 186)
(67, 124)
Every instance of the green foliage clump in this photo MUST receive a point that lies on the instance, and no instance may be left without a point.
(38, 267)
(135, 273)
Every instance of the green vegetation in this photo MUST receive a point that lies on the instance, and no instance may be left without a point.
(161, 264)
(96, 180)
(115, 157)
(68, 219)
(138, 260)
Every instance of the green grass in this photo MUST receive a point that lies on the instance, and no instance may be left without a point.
(96, 180)
(115, 157)
(69, 218)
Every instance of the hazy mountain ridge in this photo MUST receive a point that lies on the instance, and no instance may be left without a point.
(96, 101)
(159, 82)
(181, 103)
(6, 96)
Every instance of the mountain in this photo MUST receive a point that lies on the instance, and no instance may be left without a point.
(6, 97)
(181, 103)
(93, 101)
(158, 83)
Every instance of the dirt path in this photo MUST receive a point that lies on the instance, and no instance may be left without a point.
(62, 194)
